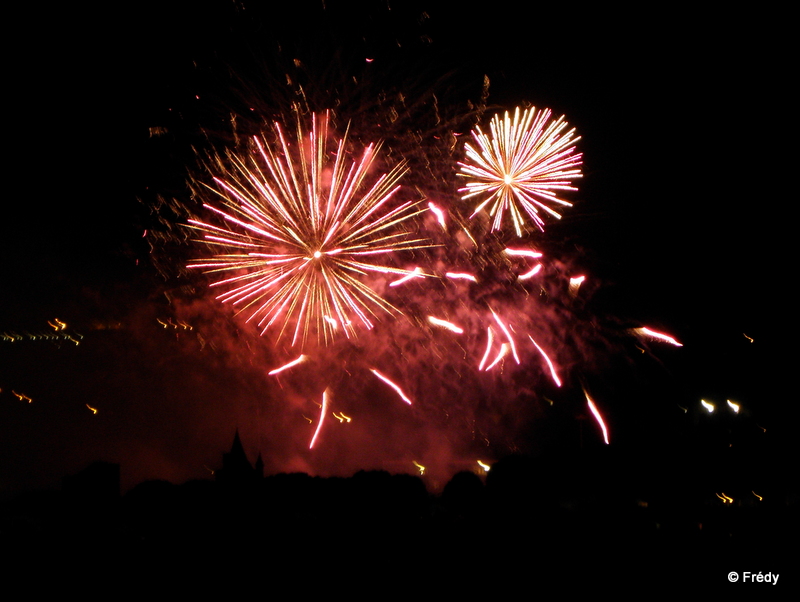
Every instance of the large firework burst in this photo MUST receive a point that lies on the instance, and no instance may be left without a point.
(521, 166)
(300, 227)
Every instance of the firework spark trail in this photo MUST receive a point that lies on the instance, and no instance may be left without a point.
(322, 412)
(520, 167)
(597, 416)
(392, 385)
(296, 245)
(658, 336)
(549, 363)
(291, 364)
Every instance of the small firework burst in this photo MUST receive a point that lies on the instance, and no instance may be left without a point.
(521, 167)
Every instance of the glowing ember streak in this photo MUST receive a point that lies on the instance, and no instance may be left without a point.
(521, 167)
(489, 341)
(532, 273)
(341, 417)
(297, 234)
(725, 499)
(748, 338)
(707, 406)
(417, 273)
(660, 336)
(461, 276)
(322, 413)
(508, 335)
(734, 406)
(94, 410)
(575, 284)
(438, 213)
(420, 467)
(500, 355)
(597, 416)
(523, 253)
(22, 396)
(484, 466)
(392, 385)
(549, 363)
(291, 364)
(59, 325)
(445, 324)
(758, 496)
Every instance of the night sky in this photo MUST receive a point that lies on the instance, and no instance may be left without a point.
(680, 220)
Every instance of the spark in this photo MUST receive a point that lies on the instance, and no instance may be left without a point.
(734, 406)
(748, 338)
(500, 355)
(461, 276)
(94, 410)
(445, 324)
(725, 499)
(575, 284)
(296, 246)
(758, 496)
(523, 253)
(392, 385)
(521, 167)
(22, 396)
(532, 273)
(486, 467)
(322, 412)
(508, 335)
(341, 417)
(415, 273)
(708, 406)
(489, 341)
(59, 325)
(660, 336)
(438, 213)
(597, 416)
(549, 363)
(420, 467)
(291, 364)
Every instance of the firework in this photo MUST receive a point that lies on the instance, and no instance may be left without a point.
(300, 228)
(521, 167)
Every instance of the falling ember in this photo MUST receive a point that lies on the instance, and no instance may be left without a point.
(392, 385)
(295, 245)
(708, 406)
(22, 396)
(575, 284)
(420, 467)
(322, 412)
(445, 324)
(734, 406)
(438, 213)
(416, 273)
(531, 274)
(748, 338)
(597, 416)
(659, 336)
(549, 363)
(484, 466)
(725, 499)
(93, 410)
(760, 499)
(291, 364)
(489, 341)
(508, 336)
(461, 276)
(520, 167)
(500, 355)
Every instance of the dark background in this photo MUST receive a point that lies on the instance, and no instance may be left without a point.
(683, 211)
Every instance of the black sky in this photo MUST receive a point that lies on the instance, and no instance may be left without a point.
(682, 212)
